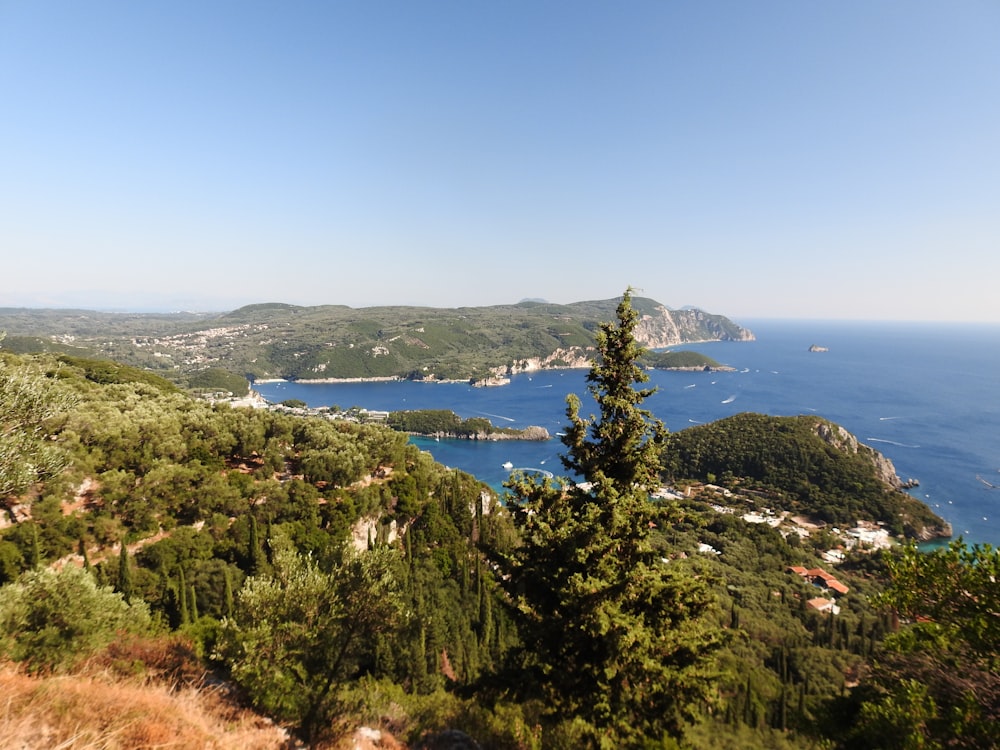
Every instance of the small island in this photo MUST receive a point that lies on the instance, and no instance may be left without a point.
(682, 360)
(443, 423)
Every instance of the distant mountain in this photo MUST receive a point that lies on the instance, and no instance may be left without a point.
(276, 340)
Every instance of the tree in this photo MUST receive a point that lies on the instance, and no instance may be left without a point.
(124, 583)
(51, 619)
(937, 681)
(614, 637)
(27, 402)
(300, 632)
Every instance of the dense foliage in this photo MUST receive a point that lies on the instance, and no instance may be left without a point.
(937, 683)
(686, 360)
(446, 423)
(52, 619)
(615, 640)
(802, 463)
(438, 421)
(332, 341)
(331, 569)
(26, 405)
(300, 632)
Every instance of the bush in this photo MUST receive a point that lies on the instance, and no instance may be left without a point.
(52, 620)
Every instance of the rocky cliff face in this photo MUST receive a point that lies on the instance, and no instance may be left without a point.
(664, 328)
(660, 329)
(885, 471)
(574, 356)
(843, 440)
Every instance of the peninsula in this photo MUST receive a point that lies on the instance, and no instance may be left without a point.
(335, 342)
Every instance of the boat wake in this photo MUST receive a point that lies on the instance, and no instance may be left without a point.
(886, 419)
(497, 416)
(729, 400)
(892, 442)
(988, 484)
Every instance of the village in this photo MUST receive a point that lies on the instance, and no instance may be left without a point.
(865, 536)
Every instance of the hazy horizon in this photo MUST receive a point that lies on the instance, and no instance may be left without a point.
(756, 160)
(745, 321)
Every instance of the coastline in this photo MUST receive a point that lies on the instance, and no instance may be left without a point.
(488, 382)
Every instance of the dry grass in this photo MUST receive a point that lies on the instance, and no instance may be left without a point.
(100, 709)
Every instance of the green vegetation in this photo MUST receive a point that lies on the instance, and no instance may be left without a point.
(216, 380)
(803, 464)
(300, 633)
(27, 403)
(682, 360)
(438, 421)
(615, 642)
(338, 575)
(277, 340)
(51, 619)
(937, 683)
(444, 422)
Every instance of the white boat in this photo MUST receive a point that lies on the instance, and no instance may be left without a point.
(508, 465)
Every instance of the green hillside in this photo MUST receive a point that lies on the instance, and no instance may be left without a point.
(276, 340)
(341, 577)
(805, 463)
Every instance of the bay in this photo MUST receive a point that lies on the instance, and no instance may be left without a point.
(926, 395)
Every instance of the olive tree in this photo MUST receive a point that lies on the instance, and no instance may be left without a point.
(27, 401)
(300, 632)
(51, 619)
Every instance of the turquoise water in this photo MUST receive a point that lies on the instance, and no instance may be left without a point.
(925, 395)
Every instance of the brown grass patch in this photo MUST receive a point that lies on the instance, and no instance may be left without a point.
(97, 710)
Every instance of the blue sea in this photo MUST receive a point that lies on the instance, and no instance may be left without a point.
(926, 395)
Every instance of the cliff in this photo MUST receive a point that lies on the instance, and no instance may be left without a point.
(662, 327)
(334, 342)
(810, 465)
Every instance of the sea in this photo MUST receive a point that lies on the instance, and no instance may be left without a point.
(926, 395)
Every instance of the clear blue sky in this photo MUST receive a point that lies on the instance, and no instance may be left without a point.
(756, 159)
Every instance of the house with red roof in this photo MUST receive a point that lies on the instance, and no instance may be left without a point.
(819, 577)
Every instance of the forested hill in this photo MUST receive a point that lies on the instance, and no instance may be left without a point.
(339, 576)
(334, 341)
(804, 464)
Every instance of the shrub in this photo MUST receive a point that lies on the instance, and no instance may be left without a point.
(53, 619)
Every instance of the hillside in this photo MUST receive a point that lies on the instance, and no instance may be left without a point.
(333, 341)
(342, 578)
(806, 465)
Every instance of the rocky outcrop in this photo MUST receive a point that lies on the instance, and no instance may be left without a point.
(664, 327)
(922, 526)
(574, 356)
(657, 330)
(841, 439)
(528, 433)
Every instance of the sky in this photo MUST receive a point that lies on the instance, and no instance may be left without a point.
(767, 159)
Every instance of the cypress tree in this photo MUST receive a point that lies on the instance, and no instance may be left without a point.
(228, 596)
(34, 549)
(748, 702)
(84, 555)
(124, 584)
(182, 598)
(193, 606)
(613, 637)
(782, 718)
(255, 550)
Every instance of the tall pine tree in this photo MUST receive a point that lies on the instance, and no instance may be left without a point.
(614, 638)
